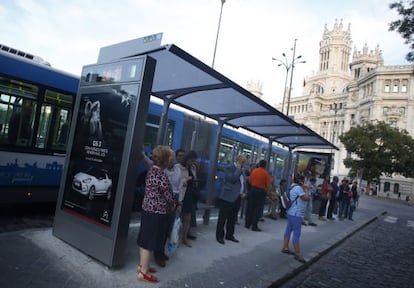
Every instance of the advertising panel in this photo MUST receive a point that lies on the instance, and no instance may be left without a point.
(96, 193)
(97, 148)
(313, 164)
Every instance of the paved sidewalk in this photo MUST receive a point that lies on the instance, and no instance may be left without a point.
(35, 258)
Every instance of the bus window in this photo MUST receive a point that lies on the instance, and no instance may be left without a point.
(62, 130)
(18, 120)
(17, 110)
(53, 128)
(151, 132)
(44, 123)
(58, 99)
(225, 152)
(3, 120)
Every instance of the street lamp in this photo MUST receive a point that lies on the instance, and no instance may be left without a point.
(218, 31)
(335, 107)
(288, 66)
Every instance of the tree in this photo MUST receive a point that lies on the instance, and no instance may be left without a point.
(405, 26)
(378, 149)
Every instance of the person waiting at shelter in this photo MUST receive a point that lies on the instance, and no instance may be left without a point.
(233, 190)
(307, 219)
(259, 180)
(159, 253)
(325, 196)
(188, 201)
(353, 201)
(295, 213)
(282, 189)
(273, 197)
(344, 197)
(158, 202)
(332, 208)
(174, 175)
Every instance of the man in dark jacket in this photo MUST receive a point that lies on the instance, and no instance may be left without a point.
(234, 188)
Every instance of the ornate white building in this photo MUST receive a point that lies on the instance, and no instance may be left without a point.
(345, 92)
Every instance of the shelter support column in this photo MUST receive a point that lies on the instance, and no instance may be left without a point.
(269, 153)
(162, 131)
(288, 168)
(212, 168)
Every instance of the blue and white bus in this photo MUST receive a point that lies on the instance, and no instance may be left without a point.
(36, 104)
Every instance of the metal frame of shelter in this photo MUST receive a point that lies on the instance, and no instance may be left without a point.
(183, 80)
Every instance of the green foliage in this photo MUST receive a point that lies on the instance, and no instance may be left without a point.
(377, 149)
(405, 26)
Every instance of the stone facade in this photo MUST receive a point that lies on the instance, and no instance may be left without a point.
(346, 92)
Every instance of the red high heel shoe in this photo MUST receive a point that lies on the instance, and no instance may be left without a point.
(150, 269)
(146, 277)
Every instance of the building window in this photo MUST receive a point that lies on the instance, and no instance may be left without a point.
(387, 87)
(395, 86)
(396, 188)
(387, 187)
(320, 89)
(402, 111)
(357, 73)
(404, 86)
(385, 110)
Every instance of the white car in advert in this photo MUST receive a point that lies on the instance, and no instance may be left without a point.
(94, 181)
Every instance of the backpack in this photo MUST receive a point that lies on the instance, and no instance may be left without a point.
(285, 198)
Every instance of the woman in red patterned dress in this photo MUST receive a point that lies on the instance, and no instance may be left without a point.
(157, 203)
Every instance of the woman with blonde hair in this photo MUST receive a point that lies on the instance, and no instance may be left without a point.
(158, 202)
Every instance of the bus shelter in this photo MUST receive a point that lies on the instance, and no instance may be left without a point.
(105, 163)
(183, 80)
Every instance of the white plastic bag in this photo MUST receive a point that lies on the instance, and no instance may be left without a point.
(174, 241)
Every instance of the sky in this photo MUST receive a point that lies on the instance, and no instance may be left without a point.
(68, 34)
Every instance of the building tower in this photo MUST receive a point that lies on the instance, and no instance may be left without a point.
(343, 94)
(255, 88)
(333, 74)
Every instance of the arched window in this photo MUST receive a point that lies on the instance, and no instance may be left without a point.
(396, 188)
(387, 86)
(404, 86)
(320, 89)
(387, 187)
(396, 86)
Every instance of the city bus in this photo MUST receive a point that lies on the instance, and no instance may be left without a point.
(36, 104)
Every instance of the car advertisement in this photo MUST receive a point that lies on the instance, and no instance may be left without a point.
(96, 152)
